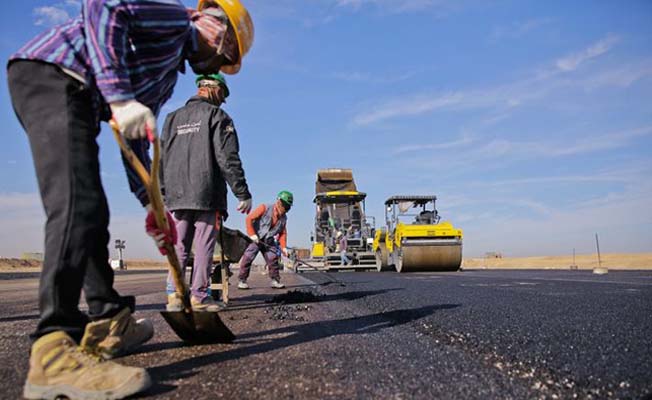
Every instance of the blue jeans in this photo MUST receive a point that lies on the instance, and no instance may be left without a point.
(345, 260)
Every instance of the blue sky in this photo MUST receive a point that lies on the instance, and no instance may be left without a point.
(531, 121)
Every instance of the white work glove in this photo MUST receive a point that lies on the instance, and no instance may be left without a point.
(254, 238)
(284, 251)
(132, 117)
(244, 206)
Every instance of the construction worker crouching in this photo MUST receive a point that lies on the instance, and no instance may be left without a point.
(266, 226)
(118, 60)
(200, 155)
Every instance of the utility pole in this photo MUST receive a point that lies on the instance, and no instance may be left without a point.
(120, 245)
(599, 270)
(573, 265)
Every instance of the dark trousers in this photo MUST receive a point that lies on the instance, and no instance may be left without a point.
(56, 112)
(270, 256)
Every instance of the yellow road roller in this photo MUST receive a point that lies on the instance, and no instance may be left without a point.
(415, 240)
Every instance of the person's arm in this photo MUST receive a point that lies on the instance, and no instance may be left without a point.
(106, 25)
(283, 240)
(166, 136)
(141, 150)
(252, 216)
(227, 148)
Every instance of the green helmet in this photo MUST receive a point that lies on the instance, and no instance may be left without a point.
(214, 77)
(285, 197)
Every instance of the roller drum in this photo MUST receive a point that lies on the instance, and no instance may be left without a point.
(432, 255)
(382, 260)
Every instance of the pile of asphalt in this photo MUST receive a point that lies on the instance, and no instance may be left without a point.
(284, 312)
(295, 297)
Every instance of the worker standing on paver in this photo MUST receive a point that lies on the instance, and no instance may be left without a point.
(119, 59)
(343, 246)
(266, 226)
(199, 155)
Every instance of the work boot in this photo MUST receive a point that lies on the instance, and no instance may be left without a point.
(175, 303)
(276, 284)
(60, 368)
(205, 305)
(118, 335)
(243, 285)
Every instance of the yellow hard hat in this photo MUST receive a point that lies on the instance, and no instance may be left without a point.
(242, 25)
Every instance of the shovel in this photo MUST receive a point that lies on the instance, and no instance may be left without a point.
(331, 279)
(191, 327)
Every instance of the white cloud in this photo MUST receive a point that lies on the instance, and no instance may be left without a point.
(502, 98)
(50, 15)
(573, 61)
(356, 76)
(623, 221)
(462, 141)
(629, 175)
(622, 76)
(416, 106)
(497, 153)
(24, 222)
(518, 29)
(57, 13)
(392, 5)
(23, 218)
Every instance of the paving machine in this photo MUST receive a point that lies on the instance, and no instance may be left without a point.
(415, 239)
(340, 210)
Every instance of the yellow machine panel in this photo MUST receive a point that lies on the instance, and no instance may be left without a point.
(317, 249)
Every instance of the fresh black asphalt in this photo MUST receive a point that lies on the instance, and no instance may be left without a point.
(465, 335)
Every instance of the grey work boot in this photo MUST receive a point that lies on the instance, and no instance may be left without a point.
(117, 336)
(60, 368)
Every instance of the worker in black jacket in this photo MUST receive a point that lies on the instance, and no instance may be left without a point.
(200, 155)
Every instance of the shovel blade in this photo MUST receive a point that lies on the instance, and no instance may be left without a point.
(198, 327)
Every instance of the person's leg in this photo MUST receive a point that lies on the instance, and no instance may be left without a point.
(246, 260)
(185, 230)
(271, 260)
(55, 111)
(204, 239)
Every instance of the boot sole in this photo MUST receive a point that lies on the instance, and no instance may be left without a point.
(136, 384)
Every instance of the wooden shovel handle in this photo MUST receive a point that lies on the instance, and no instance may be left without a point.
(151, 183)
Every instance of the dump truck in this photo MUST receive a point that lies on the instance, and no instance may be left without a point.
(340, 209)
(415, 239)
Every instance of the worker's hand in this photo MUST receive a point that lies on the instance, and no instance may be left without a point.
(244, 206)
(133, 119)
(161, 237)
(255, 239)
(284, 250)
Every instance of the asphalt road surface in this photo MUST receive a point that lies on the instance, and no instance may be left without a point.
(472, 334)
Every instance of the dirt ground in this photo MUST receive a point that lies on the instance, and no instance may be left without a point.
(20, 265)
(616, 261)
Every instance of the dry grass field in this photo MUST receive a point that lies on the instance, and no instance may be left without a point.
(20, 265)
(621, 261)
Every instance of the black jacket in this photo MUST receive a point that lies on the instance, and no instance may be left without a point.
(199, 152)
